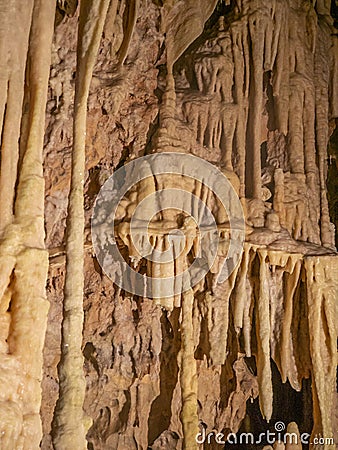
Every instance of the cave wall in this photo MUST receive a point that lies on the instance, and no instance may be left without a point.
(247, 86)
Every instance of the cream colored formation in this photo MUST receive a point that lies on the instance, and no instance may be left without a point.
(283, 284)
(281, 297)
(70, 425)
(23, 258)
(26, 57)
(283, 307)
(259, 63)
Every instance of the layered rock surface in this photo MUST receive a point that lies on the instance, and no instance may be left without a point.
(247, 86)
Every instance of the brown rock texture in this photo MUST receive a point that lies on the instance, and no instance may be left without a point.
(248, 86)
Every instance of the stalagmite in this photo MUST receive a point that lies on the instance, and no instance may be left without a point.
(293, 441)
(188, 376)
(279, 198)
(70, 425)
(321, 297)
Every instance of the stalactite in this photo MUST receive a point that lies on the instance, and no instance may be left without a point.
(286, 363)
(218, 319)
(276, 53)
(263, 340)
(275, 296)
(245, 96)
(179, 34)
(267, 302)
(252, 96)
(70, 425)
(240, 292)
(128, 32)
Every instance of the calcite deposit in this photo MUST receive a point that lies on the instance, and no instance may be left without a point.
(87, 88)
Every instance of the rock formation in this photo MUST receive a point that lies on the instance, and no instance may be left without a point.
(249, 87)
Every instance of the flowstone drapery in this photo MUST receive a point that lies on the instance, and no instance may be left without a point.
(23, 258)
(247, 86)
(26, 59)
(246, 75)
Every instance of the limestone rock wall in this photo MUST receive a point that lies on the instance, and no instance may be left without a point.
(247, 85)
